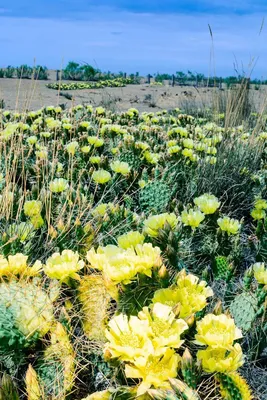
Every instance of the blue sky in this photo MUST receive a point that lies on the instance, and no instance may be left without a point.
(144, 36)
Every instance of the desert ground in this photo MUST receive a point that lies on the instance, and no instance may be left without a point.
(21, 95)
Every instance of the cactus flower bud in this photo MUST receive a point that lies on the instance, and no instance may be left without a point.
(32, 386)
(218, 308)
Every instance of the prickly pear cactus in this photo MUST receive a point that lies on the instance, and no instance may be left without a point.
(131, 158)
(95, 301)
(234, 387)
(56, 371)
(243, 309)
(26, 313)
(155, 196)
(222, 268)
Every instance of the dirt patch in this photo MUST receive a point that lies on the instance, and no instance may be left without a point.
(30, 95)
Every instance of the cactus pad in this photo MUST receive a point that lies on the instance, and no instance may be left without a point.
(243, 309)
(155, 196)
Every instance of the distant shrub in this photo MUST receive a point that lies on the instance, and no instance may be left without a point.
(77, 72)
(9, 72)
(24, 72)
(40, 73)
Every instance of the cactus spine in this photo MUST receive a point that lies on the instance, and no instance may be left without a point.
(234, 387)
(95, 301)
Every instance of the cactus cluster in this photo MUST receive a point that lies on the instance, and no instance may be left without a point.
(120, 214)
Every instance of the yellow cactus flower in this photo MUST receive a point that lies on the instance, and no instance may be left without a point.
(169, 297)
(189, 295)
(85, 124)
(153, 224)
(258, 214)
(147, 257)
(98, 258)
(192, 218)
(100, 210)
(95, 141)
(32, 140)
(174, 150)
(207, 203)
(151, 158)
(59, 167)
(37, 221)
(114, 150)
(188, 153)
(229, 225)
(217, 331)
(103, 208)
(58, 185)
(154, 371)
(142, 183)
(120, 167)
(192, 293)
(32, 208)
(260, 204)
(86, 149)
(128, 338)
(101, 176)
(104, 395)
(72, 147)
(17, 263)
(34, 270)
(95, 160)
(165, 328)
(260, 273)
(221, 359)
(33, 389)
(122, 265)
(171, 143)
(211, 160)
(42, 154)
(188, 143)
(4, 266)
(63, 266)
(130, 239)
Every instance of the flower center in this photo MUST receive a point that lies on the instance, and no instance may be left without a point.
(129, 339)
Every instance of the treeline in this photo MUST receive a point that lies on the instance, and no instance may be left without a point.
(25, 72)
(190, 78)
(86, 72)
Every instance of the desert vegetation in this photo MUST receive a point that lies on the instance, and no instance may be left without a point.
(133, 252)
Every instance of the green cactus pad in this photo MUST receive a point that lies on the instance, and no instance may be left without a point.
(155, 196)
(243, 309)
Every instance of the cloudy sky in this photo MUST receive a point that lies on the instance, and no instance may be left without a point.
(136, 35)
